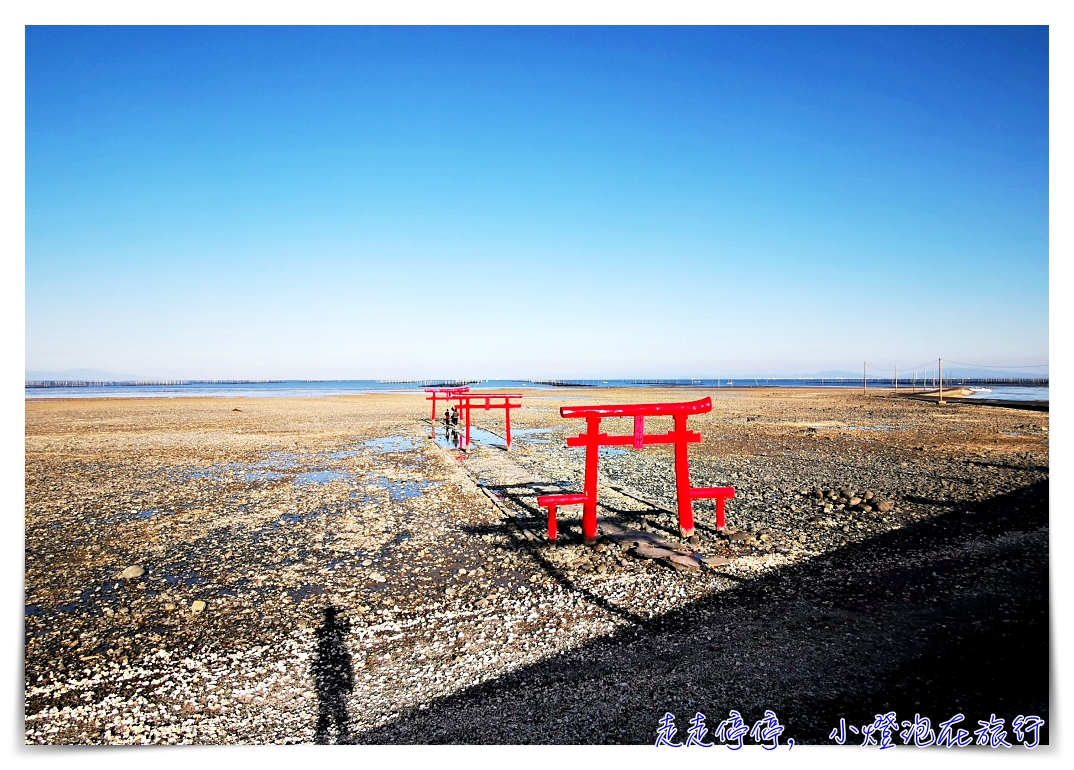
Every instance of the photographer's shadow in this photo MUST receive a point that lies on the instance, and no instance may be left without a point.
(334, 677)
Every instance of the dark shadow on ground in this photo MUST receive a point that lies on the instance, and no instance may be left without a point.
(523, 496)
(941, 617)
(333, 676)
(1033, 468)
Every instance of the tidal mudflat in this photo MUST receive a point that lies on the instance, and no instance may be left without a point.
(326, 569)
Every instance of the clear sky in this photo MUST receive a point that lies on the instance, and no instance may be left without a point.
(534, 202)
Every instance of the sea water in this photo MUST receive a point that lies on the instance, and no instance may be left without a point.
(320, 388)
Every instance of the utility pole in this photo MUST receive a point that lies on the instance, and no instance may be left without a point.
(939, 364)
(864, 378)
(896, 378)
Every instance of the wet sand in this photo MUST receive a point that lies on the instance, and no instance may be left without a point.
(361, 583)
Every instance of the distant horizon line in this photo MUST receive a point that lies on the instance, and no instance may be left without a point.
(566, 382)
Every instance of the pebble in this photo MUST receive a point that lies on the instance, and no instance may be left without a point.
(198, 605)
(134, 571)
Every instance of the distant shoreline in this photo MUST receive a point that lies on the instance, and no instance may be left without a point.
(743, 382)
(140, 383)
(1016, 394)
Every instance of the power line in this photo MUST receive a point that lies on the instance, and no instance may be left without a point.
(904, 368)
(932, 363)
(997, 366)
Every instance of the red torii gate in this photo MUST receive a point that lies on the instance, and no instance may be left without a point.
(444, 393)
(466, 403)
(593, 439)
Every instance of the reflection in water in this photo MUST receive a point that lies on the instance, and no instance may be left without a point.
(450, 437)
(333, 676)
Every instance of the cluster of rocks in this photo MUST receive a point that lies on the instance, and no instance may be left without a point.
(846, 498)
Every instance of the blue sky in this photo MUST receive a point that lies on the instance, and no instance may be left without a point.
(534, 202)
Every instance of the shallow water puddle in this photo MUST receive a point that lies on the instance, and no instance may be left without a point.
(322, 477)
(449, 439)
(391, 444)
(398, 491)
(446, 439)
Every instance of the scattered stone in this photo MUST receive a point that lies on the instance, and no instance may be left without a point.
(683, 562)
(134, 571)
(376, 577)
(715, 561)
(855, 501)
(198, 605)
(885, 506)
(651, 552)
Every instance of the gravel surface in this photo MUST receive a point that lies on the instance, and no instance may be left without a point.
(285, 571)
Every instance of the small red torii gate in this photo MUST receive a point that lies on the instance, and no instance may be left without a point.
(466, 403)
(444, 393)
(593, 439)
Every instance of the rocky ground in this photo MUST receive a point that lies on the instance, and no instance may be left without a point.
(278, 571)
